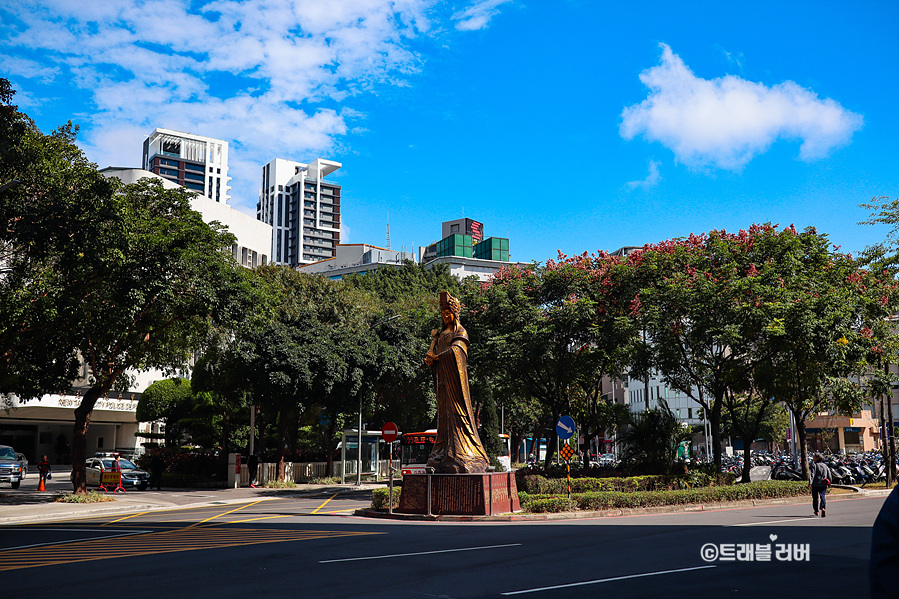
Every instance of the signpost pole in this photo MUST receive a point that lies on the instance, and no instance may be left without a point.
(389, 433)
(564, 430)
(390, 471)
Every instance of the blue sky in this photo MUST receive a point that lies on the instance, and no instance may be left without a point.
(567, 125)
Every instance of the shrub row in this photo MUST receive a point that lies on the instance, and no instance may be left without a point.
(534, 483)
(599, 500)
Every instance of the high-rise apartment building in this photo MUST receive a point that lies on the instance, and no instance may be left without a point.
(302, 208)
(194, 161)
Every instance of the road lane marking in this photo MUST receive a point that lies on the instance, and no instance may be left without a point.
(125, 518)
(774, 521)
(356, 559)
(328, 500)
(260, 518)
(223, 514)
(154, 543)
(601, 580)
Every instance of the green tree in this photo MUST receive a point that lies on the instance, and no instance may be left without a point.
(170, 400)
(829, 325)
(58, 214)
(119, 277)
(546, 332)
(155, 304)
(651, 438)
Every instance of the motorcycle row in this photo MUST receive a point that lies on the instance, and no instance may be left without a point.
(858, 469)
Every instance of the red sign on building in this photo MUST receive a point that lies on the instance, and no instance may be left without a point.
(477, 231)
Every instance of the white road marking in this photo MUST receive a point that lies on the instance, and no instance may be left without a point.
(355, 559)
(774, 521)
(601, 580)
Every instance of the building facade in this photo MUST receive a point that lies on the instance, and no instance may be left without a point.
(193, 161)
(466, 252)
(303, 210)
(356, 258)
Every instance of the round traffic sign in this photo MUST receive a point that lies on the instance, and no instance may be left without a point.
(389, 432)
(565, 427)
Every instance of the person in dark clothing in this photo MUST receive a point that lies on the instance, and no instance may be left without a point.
(884, 565)
(252, 468)
(157, 465)
(43, 468)
(819, 479)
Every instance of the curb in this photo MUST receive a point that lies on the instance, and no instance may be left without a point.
(618, 512)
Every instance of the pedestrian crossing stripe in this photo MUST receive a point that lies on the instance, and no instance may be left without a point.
(168, 541)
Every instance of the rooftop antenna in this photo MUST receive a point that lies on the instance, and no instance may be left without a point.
(388, 229)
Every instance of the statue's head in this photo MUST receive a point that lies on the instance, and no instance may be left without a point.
(450, 307)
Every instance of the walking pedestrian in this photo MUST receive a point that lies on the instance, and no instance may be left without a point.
(157, 465)
(252, 468)
(819, 480)
(43, 468)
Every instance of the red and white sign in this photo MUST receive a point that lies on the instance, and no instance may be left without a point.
(389, 432)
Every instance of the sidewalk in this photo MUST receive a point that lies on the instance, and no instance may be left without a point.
(30, 506)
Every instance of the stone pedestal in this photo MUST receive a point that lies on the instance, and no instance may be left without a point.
(486, 494)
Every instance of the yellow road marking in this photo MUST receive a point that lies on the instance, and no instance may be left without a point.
(260, 518)
(125, 518)
(223, 514)
(328, 500)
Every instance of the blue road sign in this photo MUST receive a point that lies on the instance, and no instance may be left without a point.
(565, 427)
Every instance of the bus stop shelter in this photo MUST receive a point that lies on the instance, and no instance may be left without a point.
(351, 464)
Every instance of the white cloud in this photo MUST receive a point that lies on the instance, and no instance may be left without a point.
(725, 122)
(652, 178)
(478, 15)
(273, 77)
(29, 69)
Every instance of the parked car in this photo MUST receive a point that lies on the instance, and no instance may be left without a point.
(11, 469)
(607, 459)
(24, 461)
(132, 476)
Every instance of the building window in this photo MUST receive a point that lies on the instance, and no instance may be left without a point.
(194, 176)
(167, 162)
(169, 172)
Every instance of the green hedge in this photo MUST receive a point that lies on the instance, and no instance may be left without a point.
(534, 483)
(379, 498)
(599, 500)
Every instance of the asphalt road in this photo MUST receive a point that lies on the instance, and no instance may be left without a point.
(309, 546)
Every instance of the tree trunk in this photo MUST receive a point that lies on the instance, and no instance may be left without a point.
(885, 441)
(79, 436)
(331, 429)
(803, 445)
(747, 457)
(715, 426)
(892, 438)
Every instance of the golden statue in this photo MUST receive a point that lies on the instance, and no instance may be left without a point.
(458, 448)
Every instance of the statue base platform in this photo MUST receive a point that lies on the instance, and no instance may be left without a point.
(485, 494)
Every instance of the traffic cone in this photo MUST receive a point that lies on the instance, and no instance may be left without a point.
(41, 486)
